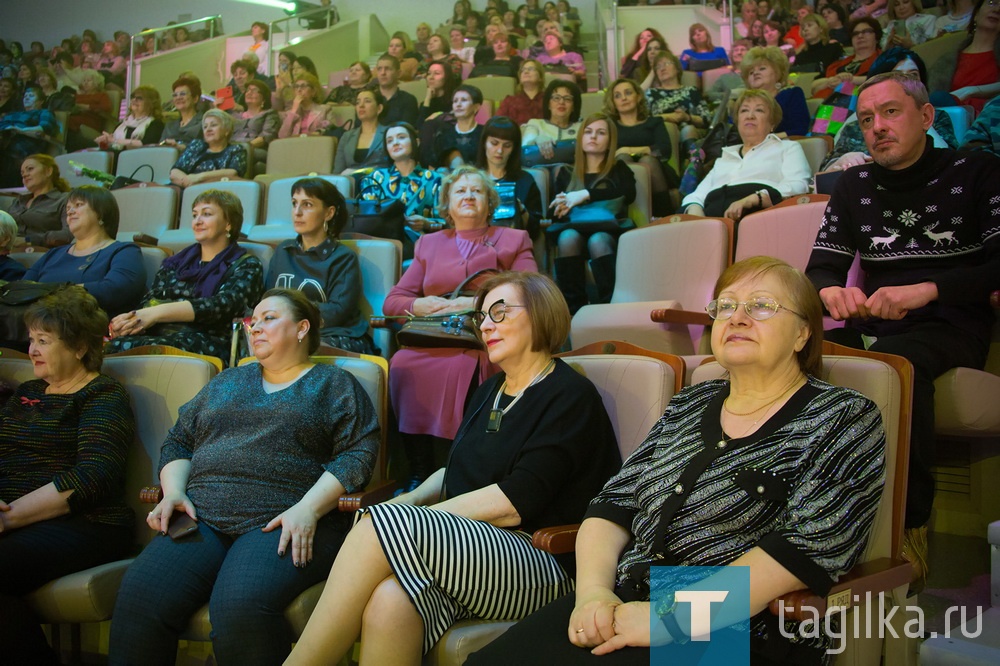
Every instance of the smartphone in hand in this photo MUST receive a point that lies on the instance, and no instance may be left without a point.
(181, 525)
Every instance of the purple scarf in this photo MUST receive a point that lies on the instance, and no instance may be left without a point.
(206, 277)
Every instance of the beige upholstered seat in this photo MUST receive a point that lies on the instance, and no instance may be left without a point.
(152, 259)
(160, 159)
(493, 87)
(157, 387)
(301, 155)
(786, 231)
(277, 222)
(93, 159)
(640, 211)
(887, 381)
(671, 266)
(146, 210)
(373, 375)
(635, 391)
(967, 401)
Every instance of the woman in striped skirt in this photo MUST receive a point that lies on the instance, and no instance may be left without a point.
(535, 446)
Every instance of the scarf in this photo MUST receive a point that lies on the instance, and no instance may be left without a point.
(138, 127)
(206, 277)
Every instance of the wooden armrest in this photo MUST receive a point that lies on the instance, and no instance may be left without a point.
(669, 316)
(151, 495)
(556, 540)
(366, 498)
(378, 321)
(879, 575)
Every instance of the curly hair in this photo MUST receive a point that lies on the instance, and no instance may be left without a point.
(74, 316)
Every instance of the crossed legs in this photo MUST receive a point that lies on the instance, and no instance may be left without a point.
(362, 597)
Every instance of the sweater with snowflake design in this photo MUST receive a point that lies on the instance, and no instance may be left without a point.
(935, 221)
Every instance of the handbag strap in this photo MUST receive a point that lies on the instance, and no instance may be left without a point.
(472, 278)
(152, 173)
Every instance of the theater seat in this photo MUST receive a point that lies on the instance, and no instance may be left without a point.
(93, 159)
(150, 164)
(146, 210)
(157, 387)
(663, 266)
(635, 390)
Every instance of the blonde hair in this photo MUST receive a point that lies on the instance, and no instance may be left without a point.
(755, 93)
(772, 55)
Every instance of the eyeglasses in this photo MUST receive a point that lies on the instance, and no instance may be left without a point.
(859, 33)
(759, 309)
(137, 98)
(300, 86)
(496, 312)
(562, 98)
(181, 94)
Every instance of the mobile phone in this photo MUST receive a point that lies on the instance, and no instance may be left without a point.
(181, 525)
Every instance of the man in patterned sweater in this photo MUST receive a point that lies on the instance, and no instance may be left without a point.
(926, 222)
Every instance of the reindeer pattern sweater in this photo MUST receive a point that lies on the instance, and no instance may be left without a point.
(935, 221)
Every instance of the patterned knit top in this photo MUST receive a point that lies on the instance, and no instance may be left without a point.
(255, 454)
(937, 220)
(77, 441)
(805, 487)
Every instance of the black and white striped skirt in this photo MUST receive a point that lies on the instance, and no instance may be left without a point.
(454, 568)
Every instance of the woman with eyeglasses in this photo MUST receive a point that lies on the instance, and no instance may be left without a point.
(535, 444)
(784, 474)
(187, 127)
(306, 114)
(526, 102)
(756, 173)
(866, 34)
(560, 121)
(143, 126)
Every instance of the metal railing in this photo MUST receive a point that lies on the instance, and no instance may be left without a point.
(212, 22)
(274, 28)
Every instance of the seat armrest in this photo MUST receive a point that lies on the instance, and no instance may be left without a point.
(880, 575)
(670, 316)
(151, 495)
(366, 498)
(556, 540)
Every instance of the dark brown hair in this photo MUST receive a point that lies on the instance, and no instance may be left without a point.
(74, 316)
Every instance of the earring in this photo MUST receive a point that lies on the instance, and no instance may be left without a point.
(300, 338)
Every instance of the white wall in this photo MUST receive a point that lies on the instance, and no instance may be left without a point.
(52, 20)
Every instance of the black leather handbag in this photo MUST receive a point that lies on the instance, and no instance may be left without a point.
(377, 215)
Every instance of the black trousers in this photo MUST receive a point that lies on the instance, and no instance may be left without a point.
(933, 349)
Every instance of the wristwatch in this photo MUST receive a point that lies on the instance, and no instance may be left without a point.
(665, 611)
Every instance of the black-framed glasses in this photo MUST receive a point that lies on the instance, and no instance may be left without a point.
(866, 31)
(759, 309)
(496, 312)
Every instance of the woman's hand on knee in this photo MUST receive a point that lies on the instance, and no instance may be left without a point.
(592, 621)
(298, 529)
(159, 518)
(631, 627)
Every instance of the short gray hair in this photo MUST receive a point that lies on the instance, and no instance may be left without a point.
(8, 232)
(911, 85)
(492, 196)
(222, 117)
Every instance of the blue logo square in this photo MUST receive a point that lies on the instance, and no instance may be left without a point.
(710, 605)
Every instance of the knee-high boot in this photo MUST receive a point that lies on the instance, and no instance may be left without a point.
(419, 451)
(572, 280)
(603, 269)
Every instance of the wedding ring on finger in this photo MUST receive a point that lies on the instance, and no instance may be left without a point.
(579, 631)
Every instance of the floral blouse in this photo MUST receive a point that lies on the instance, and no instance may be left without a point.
(688, 98)
(418, 191)
(210, 331)
(198, 159)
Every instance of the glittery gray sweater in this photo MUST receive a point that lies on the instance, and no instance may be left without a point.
(253, 454)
